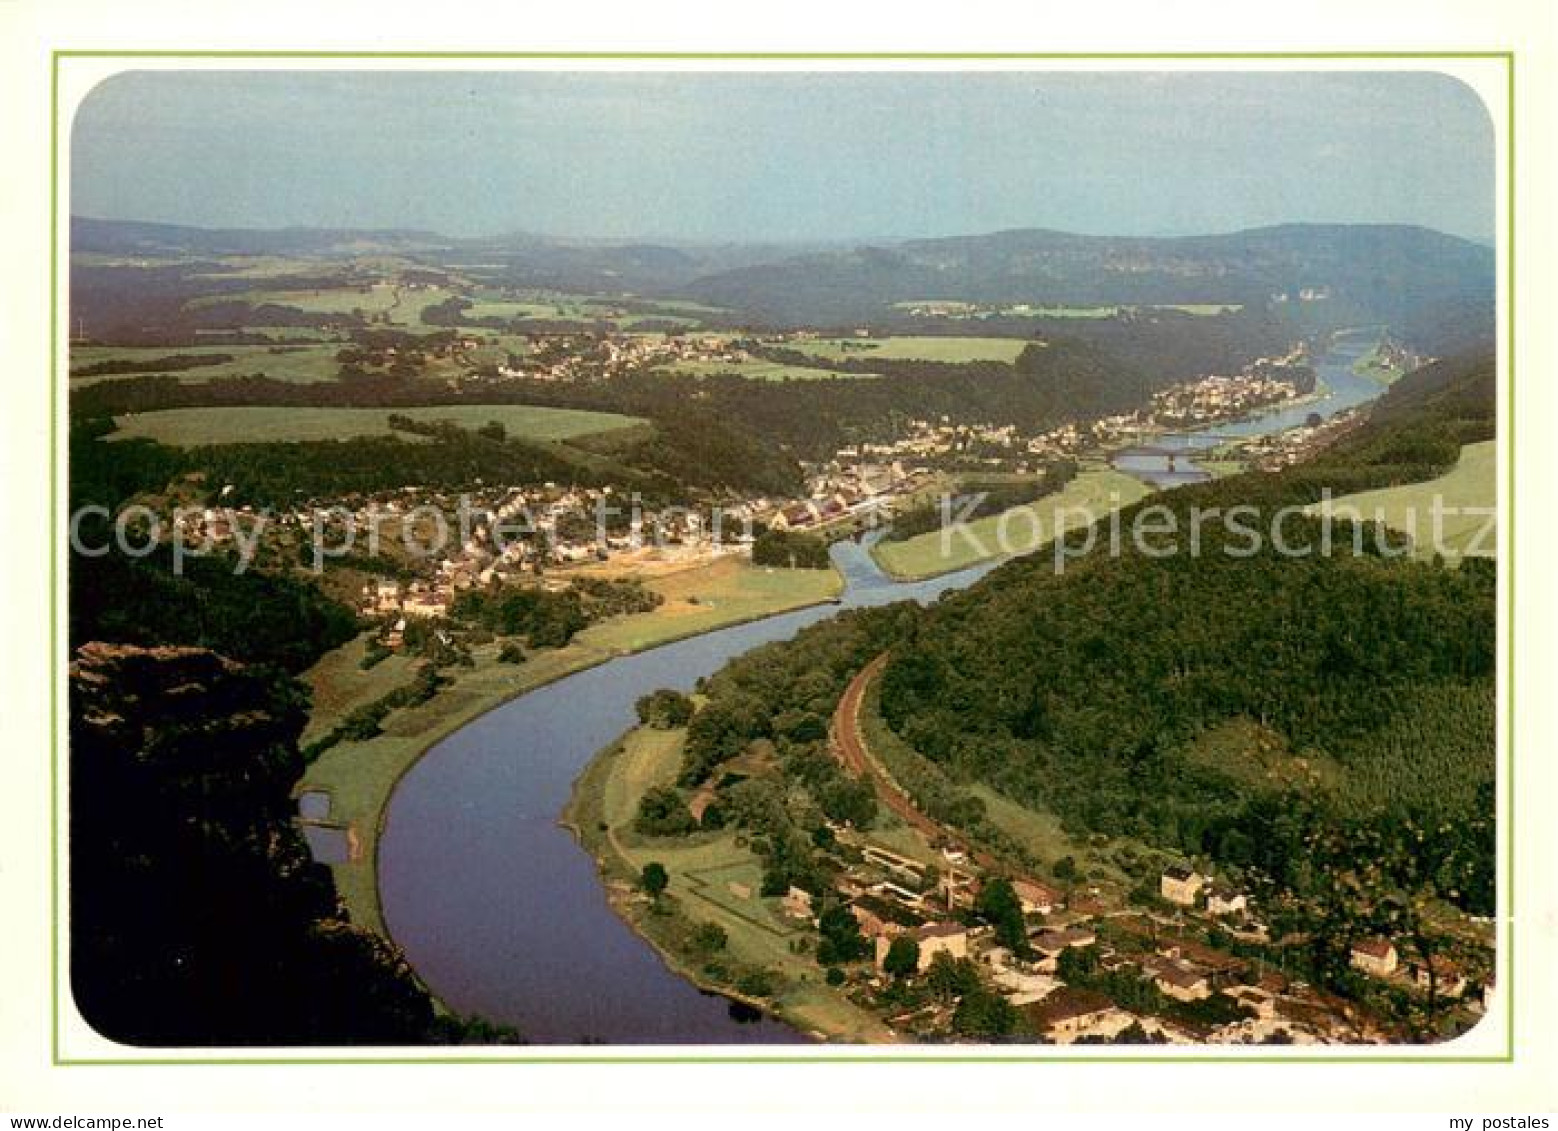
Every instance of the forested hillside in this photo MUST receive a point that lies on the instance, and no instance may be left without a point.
(1231, 706)
(1369, 272)
(1105, 692)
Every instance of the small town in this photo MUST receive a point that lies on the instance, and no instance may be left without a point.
(1187, 963)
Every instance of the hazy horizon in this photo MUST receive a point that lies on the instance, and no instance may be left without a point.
(797, 243)
(784, 157)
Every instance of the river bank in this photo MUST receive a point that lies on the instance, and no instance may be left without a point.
(500, 910)
(1095, 491)
(360, 777)
(763, 961)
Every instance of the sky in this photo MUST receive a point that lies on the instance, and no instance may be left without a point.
(700, 156)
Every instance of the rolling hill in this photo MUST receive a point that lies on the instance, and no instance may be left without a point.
(1383, 273)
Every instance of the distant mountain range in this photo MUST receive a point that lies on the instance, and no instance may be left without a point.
(1408, 277)
(1386, 271)
(137, 237)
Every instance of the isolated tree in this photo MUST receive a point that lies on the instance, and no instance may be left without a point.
(950, 978)
(841, 939)
(709, 937)
(985, 1015)
(654, 879)
(664, 709)
(998, 905)
(903, 957)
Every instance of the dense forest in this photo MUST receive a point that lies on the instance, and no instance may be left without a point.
(1099, 692)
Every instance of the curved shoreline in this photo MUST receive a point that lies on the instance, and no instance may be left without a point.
(363, 900)
(673, 961)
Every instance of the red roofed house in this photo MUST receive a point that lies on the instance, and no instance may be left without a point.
(1069, 1012)
(1036, 898)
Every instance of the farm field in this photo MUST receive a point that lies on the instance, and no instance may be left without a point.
(972, 311)
(758, 369)
(190, 427)
(544, 306)
(1095, 491)
(391, 303)
(723, 592)
(360, 776)
(1472, 482)
(916, 348)
(339, 685)
(305, 363)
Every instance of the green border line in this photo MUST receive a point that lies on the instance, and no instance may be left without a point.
(1509, 576)
(54, 672)
(563, 1057)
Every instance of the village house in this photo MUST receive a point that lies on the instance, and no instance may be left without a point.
(796, 903)
(1069, 1012)
(1178, 980)
(1181, 885)
(1441, 974)
(1036, 898)
(426, 605)
(1068, 938)
(1226, 901)
(933, 939)
(1048, 946)
(1375, 956)
(795, 517)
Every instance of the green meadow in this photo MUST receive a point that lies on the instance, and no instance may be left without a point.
(915, 348)
(303, 363)
(192, 427)
(1471, 483)
(1094, 493)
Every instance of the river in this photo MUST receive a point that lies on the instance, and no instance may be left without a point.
(502, 913)
(1339, 388)
(498, 908)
